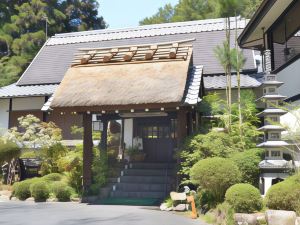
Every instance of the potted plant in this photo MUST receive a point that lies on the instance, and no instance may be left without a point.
(135, 155)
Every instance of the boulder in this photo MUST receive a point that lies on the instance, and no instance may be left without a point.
(31, 199)
(298, 221)
(245, 219)
(280, 217)
(180, 207)
(175, 196)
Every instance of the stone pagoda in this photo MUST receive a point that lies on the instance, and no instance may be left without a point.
(276, 166)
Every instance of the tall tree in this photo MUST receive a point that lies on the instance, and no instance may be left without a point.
(22, 30)
(187, 10)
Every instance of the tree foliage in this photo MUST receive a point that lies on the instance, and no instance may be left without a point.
(32, 133)
(22, 29)
(187, 10)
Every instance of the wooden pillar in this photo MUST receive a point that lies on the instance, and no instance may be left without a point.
(87, 151)
(9, 113)
(181, 126)
(103, 142)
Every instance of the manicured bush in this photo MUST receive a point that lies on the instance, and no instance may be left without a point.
(40, 191)
(216, 175)
(244, 198)
(61, 191)
(285, 195)
(21, 190)
(52, 177)
(247, 163)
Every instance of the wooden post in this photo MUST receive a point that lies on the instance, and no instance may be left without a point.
(87, 151)
(103, 142)
(181, 126)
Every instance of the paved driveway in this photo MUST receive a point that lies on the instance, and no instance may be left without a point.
(30, 213)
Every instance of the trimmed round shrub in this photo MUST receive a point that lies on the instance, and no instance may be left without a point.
(52, 177)
(61, 191)
(285, 195)
(247, 163)
(216, 175)
(244, 198)
(21, 190)
(40, 191)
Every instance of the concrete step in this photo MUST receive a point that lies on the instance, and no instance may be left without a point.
(146, 179)
(147, 172)
(136, 194)
(138, 187)
(141, 165)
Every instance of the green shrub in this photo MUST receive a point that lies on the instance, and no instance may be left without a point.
(8, 151)
(224, 214)
(61, 191)
(52, 177)
(247, 163)
(285, 195)
(244, 198)
(21, 190)
(40, 191)
(205, 200)
(216, 175)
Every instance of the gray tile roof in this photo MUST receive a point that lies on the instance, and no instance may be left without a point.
(193, 86)
(22, 91)
(52, 62)
(219, 82)
(145, 31)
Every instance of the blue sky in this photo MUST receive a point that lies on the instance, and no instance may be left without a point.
(128, 13)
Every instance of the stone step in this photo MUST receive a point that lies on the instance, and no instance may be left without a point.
(147, 172)
(141, 165)
(146, 179)
(138, 187)
(138, 194)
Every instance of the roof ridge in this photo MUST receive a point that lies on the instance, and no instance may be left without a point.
(147, 27)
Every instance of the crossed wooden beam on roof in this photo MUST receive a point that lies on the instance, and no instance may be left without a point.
(178, 50)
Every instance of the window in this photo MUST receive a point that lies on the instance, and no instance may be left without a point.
(154, 132)
(274, 118)
(274, 136)
(275, 154)
(272, 104)
(272, 90)
(271, 77)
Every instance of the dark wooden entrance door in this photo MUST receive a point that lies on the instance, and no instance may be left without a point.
(157, 141)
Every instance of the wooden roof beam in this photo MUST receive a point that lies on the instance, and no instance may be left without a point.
(173, 51)
(129, 55)
(86, 58)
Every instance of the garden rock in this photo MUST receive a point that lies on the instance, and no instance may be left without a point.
(31, 199)
(298, 221)
(181, 207)
(164, 207)
(245, 219)
(280, 217)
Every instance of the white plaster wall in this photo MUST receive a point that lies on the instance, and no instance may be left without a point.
(4, 115)
(128, 132)
(291, 78)
(28, 103)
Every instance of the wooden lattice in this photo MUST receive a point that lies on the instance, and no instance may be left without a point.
(132, 54)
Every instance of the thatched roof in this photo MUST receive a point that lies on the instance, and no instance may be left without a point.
(138, 81)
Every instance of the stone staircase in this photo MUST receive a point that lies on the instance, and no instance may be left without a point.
(144, 180)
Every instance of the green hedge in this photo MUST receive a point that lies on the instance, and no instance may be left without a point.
(285, 195)
(244, 198)
(61, 191)
(40, 191)
(215, 175)
(21, 190)
(52, 177)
